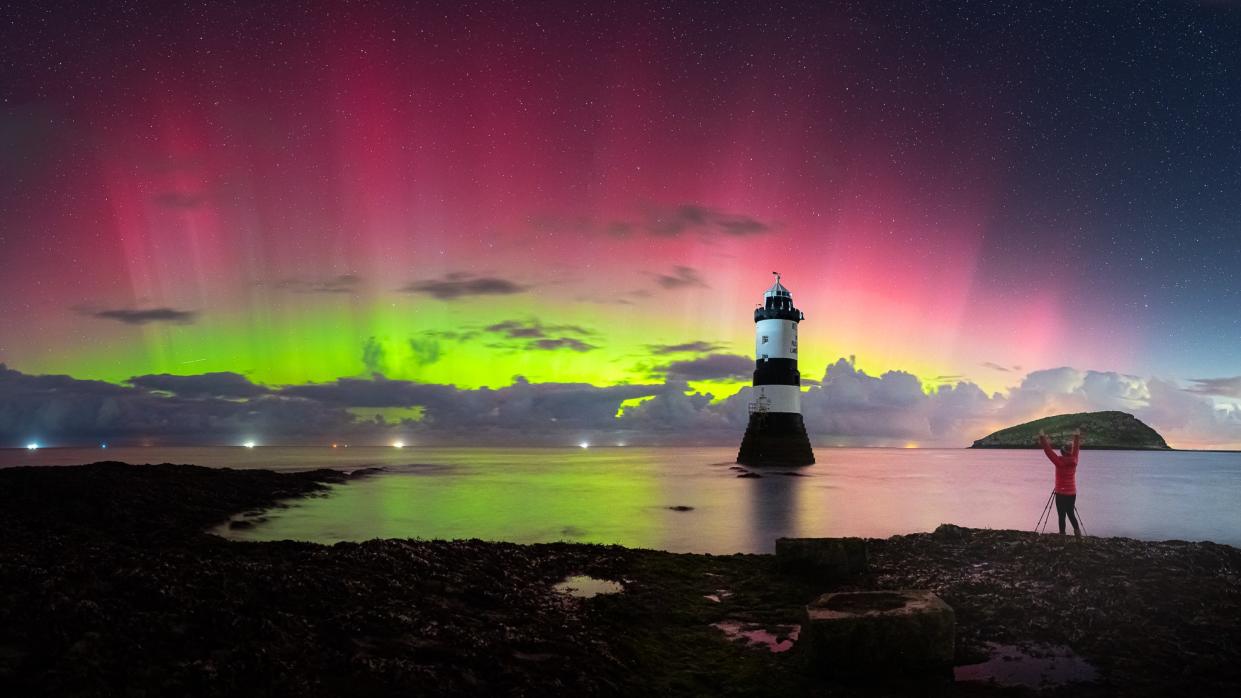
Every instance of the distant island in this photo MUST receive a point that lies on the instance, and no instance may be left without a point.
(1103, 430)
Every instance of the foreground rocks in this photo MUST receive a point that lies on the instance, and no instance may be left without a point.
(110, 590)
(109, 587)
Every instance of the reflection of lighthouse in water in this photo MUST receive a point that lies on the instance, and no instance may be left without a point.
(776, 434)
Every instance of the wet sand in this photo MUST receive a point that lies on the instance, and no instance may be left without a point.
(109, 584)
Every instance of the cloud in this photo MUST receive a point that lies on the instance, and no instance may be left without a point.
(661, 221)
(375, 392)
(523, 412)
(698, 347)
(514, 329)
(343, 283)
(461, 285)
(542, 337)
(131, 316)
(713, 367)
(851, 403)
(453, 335)
(526, 329)
(1224, 387)
(847, 406)
(677, 220)
(561, 343)
(374, 357)
(681, 277)
(425, 352)
(221, 384)
(59, 409)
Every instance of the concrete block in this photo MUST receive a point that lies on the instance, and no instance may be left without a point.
(828, 558)
(868, 632)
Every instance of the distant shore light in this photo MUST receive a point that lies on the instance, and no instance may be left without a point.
(248, 444)
(584, 444)
(32, 446)
(398, 444)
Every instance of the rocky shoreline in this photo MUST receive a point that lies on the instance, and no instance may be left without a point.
(109, 585)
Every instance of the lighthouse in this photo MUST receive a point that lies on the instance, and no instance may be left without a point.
(776, 434)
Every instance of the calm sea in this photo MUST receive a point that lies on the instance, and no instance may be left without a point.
(624, 495)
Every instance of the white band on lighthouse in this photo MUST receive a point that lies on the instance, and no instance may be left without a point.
(775, 339)
(778, 398)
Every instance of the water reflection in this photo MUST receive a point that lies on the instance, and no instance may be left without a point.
(1035, 666)
(626, 495)
(632, 496)
(773, 509)
(586, 587)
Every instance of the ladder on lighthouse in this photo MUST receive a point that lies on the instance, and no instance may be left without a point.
(760, 407)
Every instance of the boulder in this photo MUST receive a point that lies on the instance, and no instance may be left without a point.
(872, 632)
(949, 532)
(830, 558)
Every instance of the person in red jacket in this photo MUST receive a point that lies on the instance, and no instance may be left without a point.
(1066, 477)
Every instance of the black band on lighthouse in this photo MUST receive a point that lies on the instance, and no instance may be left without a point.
(789, 313)
(776, 372)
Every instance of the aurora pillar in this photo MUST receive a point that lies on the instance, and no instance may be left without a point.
(776, 434)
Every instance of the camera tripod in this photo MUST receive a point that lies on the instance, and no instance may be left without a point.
(1046, 515)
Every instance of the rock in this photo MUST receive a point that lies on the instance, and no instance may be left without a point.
(1116, 430)
(950, 532)
(681, 507)
(749, 475)
(827, 558)
(863, 632)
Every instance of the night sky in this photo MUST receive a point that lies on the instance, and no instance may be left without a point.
(1014, 208)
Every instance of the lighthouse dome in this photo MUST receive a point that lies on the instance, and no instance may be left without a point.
(777, 289)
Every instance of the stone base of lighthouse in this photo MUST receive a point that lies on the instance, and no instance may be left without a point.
(775, 438)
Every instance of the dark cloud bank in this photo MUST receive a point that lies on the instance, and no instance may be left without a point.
(342, 283)
(681, 277)
(459, 285)
(134, 316)
(664, 221)
(847, 407)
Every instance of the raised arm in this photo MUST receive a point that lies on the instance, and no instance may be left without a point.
(1046, 444)
(1077, 442)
